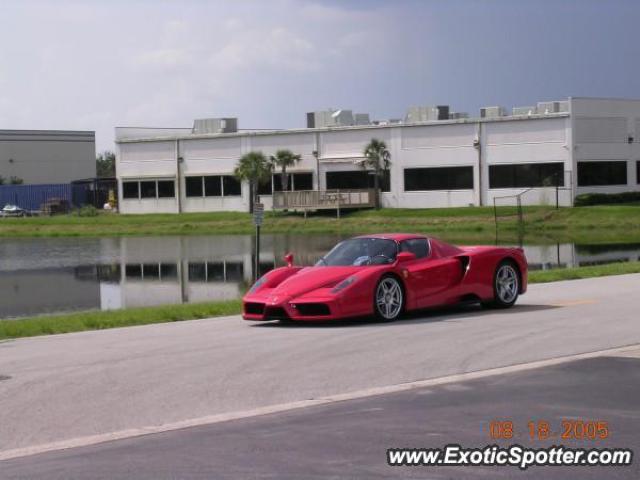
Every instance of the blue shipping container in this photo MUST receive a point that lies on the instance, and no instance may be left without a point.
(31, 197)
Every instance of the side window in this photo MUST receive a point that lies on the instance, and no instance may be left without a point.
(418, 246)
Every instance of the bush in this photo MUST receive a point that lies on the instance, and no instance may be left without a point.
(87, 211)
(606, 198)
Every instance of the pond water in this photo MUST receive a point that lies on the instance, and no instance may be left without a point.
(53, 275)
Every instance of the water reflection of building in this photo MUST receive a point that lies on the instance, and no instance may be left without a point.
(45, 290)
(567, 255)
(194, 269)
(57, 275)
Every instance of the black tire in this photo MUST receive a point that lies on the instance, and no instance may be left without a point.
(388, 299)
(506, 285)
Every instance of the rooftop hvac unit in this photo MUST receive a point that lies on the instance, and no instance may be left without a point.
(362, 119)
(492, 112)
(458, 115)
(311, 120)
(427, 113)
(553, 107)
(531, 110)
(215, 125)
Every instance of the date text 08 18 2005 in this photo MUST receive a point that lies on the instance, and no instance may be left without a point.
(567, 429)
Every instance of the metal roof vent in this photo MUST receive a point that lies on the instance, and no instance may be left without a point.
(215, 125)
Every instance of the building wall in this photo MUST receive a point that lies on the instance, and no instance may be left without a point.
(593, 130)
(43, 156)
(602, 129)
(532, 141)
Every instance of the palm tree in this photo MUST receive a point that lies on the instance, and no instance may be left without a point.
(282, 160)
(378, 158)
(254, 168)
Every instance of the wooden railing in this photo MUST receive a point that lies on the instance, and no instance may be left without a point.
(323, 199)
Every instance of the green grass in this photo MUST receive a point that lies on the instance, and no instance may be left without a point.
(555, 275)
(97, 320)
(594, 224)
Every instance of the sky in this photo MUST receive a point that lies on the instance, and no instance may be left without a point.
(95, 65)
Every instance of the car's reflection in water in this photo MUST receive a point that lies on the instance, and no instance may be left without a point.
(59, 275)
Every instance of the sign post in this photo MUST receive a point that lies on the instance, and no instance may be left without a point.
(258, 216)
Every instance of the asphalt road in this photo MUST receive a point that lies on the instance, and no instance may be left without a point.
(349, 440)
(77, 385)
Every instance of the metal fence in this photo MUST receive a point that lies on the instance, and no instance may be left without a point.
(509, 209)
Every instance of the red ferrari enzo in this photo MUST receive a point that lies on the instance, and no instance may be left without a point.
(386, 275)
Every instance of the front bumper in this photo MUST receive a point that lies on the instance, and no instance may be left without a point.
(263, 308)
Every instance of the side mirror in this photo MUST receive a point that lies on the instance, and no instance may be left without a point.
(289, 259)
(403, 257)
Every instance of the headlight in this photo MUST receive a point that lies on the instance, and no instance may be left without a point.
(343, 284)
(261, 281)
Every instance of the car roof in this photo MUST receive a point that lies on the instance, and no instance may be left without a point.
(393, 236)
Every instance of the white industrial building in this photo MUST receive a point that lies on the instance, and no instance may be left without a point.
(47, 156)
(581, 145)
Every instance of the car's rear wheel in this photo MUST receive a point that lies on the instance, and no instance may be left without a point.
(388, 299)
(506, 285)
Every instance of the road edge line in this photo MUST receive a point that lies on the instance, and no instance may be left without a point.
(285, 407)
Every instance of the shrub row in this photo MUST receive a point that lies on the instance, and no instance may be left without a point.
(606, 198)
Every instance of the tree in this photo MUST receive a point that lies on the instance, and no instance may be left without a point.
(282, 160)
(378, 158)
(254, 168)
(16, 181)
(2, 180)
(106, 164)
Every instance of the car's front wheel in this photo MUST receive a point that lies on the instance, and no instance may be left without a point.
(506, 285)
(388, 301)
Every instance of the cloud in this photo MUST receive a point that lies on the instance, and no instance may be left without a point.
(94, 65)
(275, 48)
(167, 58)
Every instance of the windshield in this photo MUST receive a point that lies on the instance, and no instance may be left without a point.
(361, 251)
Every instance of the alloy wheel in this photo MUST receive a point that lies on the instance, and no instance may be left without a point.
(507, 284)
(389, 298)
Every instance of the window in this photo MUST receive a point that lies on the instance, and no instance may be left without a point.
(303, 181)
(297, 181)
(193, 186)
(166, 189)
(356, 180)
(231, 186)
(148, 189)
(133, 270)
(212, 186)
(130, 190)
(526, 175)
(197, 271)
(136, 189)
(418, 246)
(602, 173)
(438, 178)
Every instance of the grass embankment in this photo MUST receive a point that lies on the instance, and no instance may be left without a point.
(555, 275)
(595, 224)
(77, 322)
(97, 320)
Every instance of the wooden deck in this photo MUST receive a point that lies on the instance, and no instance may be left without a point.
(307, 200)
